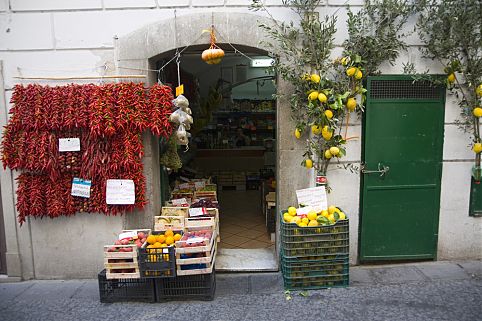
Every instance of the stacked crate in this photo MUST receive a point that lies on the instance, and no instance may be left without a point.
(314, 257)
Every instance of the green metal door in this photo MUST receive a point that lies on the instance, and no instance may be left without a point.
(402, 156)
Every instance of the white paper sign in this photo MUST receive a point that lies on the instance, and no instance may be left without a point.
(80, 187)
(126, 235)
(314, 196)
(69, 144)
(179, 201)
(199, 185)
(195, 240)
(120, 191)
(199, 211)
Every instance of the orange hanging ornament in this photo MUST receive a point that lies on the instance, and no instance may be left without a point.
(214, 54)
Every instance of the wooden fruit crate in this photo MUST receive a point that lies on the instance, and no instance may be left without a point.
(115, 262)
(210, 195)
(208, 260)
(200, 222)
(163, 223)
(174, 211)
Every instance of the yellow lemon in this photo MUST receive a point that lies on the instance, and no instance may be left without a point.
(322, 98)
(297, 133)
(351, 104)
(351, 71)
(292, 210)
(305, 220)
(313, 95)
(287, 217)
(477, 111)
(328, 154)
(301, 224)
(315, 129)
(306, 77)
(296, 219)
(331, 209)
(451, 78)
(342, 215)
(315, 78)
(308, 163)
(337, 210)
(477, 148)
(313, 223)
(344, 61)
(324, 213)
(358, 74)
(479, 90)
(177, 237)
(328, 114)
(331, 217)
(334, 151)
(327, 135)
(311, 215)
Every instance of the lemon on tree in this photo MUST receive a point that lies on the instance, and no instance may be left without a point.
(328, 154)
(335, 151)
(315, 78)
(327, 133)
(358, 74)
(351, 104)
(322, 98)
(297, 133)
(315, 129)
(477, 111)
(328, 113)
(479, 90)
(451, 78)
(477, 148)
(313, 96)
(308, 163)
(350, 72)
(345, 60)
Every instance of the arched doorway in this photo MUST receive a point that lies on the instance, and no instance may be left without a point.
(142, 49)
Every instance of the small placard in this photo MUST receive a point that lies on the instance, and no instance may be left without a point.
(69, 144)
(195, 240)
(179, 90)
(81, 187)
(120, 192)
(314, 197)
(179, 201)
(165, 251)
(199, 185)
(128, 234)
(199, 211)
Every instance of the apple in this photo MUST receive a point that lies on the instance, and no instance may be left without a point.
(118, 242)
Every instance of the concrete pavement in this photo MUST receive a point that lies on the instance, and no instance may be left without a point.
(422, 291)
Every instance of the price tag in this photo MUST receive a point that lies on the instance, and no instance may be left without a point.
(195, 240)
(179, 90)
(200, 185)
(184, 186)
(120, 192)
(80, 187)
(126, 235)
(69, 144)
(179, 201)
(199, 211)
(165, 251)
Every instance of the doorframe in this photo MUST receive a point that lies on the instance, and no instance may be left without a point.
(436, 224)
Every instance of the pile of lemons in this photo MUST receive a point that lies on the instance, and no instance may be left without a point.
(312, 218)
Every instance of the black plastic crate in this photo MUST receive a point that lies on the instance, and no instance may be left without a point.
(311, 275)
(189, 287)
(121, 290)
(157, 263)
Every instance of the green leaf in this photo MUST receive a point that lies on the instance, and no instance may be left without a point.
(336, 216)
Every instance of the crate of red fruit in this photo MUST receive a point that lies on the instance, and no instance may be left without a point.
(196, 252)
(157, 258)
(120, 258)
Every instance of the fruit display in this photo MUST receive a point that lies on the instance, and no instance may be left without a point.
(138, 240)
(313, 218)
(195, 238)
(168, 222)
(162, 239)
(174, 211)
(206, 203)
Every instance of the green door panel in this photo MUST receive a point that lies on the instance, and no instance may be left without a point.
(400, 209)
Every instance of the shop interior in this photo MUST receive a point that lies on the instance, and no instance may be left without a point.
(232, 143)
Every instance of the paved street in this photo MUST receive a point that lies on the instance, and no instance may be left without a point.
(424, 291)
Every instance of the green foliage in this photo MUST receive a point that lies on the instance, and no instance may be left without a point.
(452, 34)
(376, 31)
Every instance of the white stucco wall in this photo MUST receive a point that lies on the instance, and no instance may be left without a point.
(77, 37)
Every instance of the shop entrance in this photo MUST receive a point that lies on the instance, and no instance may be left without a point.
(402, 153)
(233, 144)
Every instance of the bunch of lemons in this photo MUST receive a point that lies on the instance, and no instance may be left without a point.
(312, 218)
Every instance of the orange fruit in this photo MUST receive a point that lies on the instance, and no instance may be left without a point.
(169, 240)
(177, 237)
(157, 245)
(169, 233)
(151, 239)
(160, 238)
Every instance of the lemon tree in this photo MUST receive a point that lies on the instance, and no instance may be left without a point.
(451, 32)
(325, 91)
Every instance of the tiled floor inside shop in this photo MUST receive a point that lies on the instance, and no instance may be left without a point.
(242, 223)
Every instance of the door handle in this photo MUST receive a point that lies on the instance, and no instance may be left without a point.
(382, 170)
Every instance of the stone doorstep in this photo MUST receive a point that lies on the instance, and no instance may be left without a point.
(9, 279)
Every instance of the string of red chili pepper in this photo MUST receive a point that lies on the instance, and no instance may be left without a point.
(160, 107)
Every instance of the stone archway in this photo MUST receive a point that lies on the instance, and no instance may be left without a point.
(137, 49)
